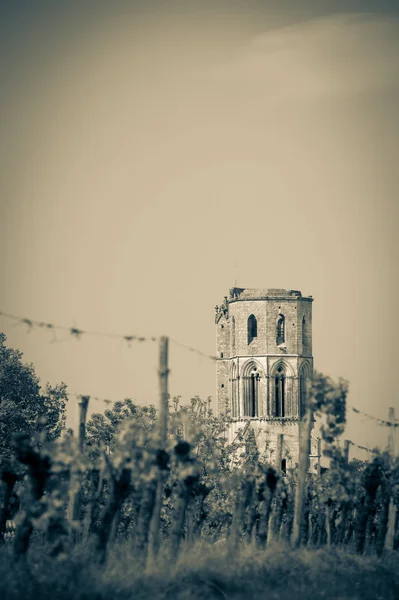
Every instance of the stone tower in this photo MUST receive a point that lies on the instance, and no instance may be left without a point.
(264, 355)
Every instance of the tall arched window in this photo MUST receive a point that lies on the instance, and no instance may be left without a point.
(280, 330)
(251, 386)
(233, 336)
(303, 332)
(303, 378)
(280, 389)
(253, 395)
(252, 328)
(301, 395)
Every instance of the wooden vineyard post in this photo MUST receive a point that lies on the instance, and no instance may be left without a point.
(389, 538)
(303, 467)
(279, 451)
(268, 492)
(75, 501)
(319, 456)
(276, 509)
(391, 437)
(163, 373)
(346, 507)
(163, 387)
(346, 451)
(83, 405)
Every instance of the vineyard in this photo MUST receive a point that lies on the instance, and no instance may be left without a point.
(147, 503)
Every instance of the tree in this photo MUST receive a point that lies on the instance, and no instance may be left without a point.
(102, 429)
(23, 407)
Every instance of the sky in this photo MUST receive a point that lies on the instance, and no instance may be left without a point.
(152, 156)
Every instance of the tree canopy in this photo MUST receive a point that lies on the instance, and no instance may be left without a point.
(24, 406)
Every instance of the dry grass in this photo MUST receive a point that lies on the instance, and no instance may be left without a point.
(202, 571)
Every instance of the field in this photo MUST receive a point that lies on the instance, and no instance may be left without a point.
(159, 504)
(204, 571)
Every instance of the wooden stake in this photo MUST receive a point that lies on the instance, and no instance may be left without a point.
(163, 388)
(303, 467)
(391, 437)
(390, 535)
(75, 495)
(279, 451)
(319, 456)
(76, 499)
(83, 405)
(346, 451)
(328, 525)
(155, 524)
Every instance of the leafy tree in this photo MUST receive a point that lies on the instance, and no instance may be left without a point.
(24, 408)
(102, 429)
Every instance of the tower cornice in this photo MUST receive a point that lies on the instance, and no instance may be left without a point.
(243, 294)
(266, 298)
(248, 356)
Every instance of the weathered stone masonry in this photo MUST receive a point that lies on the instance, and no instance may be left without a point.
(264, 355)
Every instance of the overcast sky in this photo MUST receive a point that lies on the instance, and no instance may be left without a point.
(146, 153)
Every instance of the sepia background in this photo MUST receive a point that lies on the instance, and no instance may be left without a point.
(152, 156)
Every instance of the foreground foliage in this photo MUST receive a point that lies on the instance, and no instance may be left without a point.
(209, 489)
(203, 571)
(24, 407)
(117, 506)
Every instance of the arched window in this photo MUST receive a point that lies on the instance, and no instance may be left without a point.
(280, 330)
(251, 377)
(253, 395)
(301, 395)
(252, 328)
(303, 375)
(279, 393)
(303, 332)
(233, 335)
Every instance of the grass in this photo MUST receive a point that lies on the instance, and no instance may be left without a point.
(202, 571)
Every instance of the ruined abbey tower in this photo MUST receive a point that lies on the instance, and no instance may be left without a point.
(264, 355)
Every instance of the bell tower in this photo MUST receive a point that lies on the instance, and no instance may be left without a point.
(264, 356)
